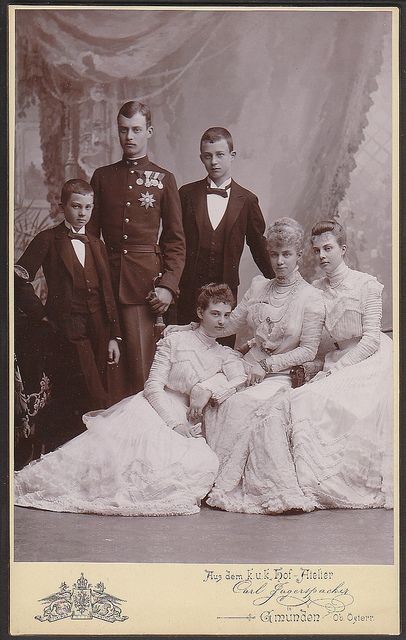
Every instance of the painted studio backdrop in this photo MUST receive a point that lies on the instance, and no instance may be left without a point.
(306, 96)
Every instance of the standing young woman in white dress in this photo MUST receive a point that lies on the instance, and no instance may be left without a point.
(330, 441)
(144, 455)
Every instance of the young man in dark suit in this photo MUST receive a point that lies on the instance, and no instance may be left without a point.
(218, 217)
(80, 302)
(133, 198)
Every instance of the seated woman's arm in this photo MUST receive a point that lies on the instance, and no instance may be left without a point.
(313, 321)
(371, 329)
(154, 390)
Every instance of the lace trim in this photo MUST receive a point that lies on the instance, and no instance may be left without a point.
(263, 504)
(164, 508)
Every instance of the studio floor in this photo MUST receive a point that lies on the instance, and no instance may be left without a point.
(322, 537)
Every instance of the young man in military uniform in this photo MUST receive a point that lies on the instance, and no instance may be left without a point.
(133, 197)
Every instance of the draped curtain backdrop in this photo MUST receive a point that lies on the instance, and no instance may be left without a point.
(293, 87)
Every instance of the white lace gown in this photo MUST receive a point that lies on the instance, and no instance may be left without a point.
(330, 441)
(129, 461)
(289, 326)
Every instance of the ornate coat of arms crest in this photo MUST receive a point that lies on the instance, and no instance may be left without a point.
(82, 602)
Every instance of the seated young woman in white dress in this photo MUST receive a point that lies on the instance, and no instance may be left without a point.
(285, 319)
(145, 455)
(330, 441)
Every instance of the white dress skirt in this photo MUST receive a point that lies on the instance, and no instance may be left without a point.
(129, 461)
(286, 320)
(331, 440)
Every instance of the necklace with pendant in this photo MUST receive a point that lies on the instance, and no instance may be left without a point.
(281, 300)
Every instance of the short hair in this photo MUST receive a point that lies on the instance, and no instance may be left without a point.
(330, 226)
(217, 133)
(215, 293)
(129, 109)
(285, 231)
(76, 185)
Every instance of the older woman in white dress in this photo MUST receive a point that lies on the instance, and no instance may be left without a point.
(331, 439)
(285, 317)
(145, 455)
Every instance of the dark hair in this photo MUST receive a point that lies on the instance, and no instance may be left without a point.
(214, 292)
(330, 226)
(217, 133)
(129, 109)
(76, 185)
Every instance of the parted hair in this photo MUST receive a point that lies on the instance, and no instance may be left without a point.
(129, 109)
(330, 226)
(76, 185)
(214, 134)
(285, 231)
(215, 293)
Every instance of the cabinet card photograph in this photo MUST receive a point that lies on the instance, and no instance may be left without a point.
(204, 333)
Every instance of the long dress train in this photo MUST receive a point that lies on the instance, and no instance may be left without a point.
(332, 437)
(130, 461)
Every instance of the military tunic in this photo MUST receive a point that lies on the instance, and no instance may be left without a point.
(137, 209)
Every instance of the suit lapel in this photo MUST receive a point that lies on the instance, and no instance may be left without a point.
(98, 259)
(234, 206)
(200, 206)
(64, 247)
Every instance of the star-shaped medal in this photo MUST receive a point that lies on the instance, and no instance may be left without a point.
(147, 200)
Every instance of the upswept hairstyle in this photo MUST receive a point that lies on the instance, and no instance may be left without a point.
(215, 293)
(330, 226)
(214, 134)
(76, 185)
(129, 109)
(285, 231)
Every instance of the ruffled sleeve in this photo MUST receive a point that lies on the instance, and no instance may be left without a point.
(371, 327)
(310, 336)
(154, 390)
(233, 365)
(232, 370)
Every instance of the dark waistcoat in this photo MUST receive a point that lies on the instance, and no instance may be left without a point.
(86, 286)
(209, 266)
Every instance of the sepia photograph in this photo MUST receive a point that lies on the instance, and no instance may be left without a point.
(204, 293)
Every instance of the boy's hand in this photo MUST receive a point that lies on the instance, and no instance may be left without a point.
(113, 352)
(160, 302)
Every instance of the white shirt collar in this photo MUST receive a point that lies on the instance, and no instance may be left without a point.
(221, 186)
(69, 226)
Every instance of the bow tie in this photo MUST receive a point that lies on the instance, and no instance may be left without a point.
(220, 192)
(78, 236)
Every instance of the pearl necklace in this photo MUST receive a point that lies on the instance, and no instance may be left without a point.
(280, 296)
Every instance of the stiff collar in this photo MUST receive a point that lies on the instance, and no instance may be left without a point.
(69, 226)
(209, 341)
(336, 278)
(225, 185)
(292, 278)
(136, 162)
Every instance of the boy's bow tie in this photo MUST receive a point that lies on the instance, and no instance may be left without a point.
(78, 236)
(219, 192)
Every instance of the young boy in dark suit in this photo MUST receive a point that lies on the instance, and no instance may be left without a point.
(218, 217)
(80, 302)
